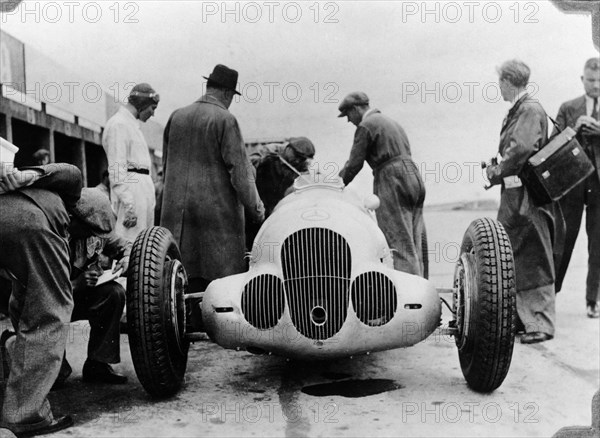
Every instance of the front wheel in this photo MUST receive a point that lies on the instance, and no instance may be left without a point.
(156, 312)
(485, 305)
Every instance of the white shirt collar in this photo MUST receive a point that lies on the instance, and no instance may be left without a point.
(518, 96)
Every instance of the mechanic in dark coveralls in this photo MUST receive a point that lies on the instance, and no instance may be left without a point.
(532, 230)
(275, 175)
(397, 182)
(35, 252)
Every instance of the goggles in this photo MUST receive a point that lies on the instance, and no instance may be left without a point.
(153, 96)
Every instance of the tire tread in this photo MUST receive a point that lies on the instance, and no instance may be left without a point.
(488, 362)
(159, 371)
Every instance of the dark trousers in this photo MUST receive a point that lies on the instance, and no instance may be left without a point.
(102, 306)
(586, 194)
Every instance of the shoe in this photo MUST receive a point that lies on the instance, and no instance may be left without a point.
(593, 309)
(58, 423)
(535, 337)
(123, 328)
(63, 374)
(520, 328)
(100, 372)
(5, 336)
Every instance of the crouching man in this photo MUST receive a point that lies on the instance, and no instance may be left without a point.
(34, 251)
(277, 166)
(102, 305)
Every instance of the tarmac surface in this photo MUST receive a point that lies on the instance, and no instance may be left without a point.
(418, 391)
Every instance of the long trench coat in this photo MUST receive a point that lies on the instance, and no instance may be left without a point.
(208, 183)
(535, 232)
(397, 182)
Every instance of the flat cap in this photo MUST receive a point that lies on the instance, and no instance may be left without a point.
(352, 99)
(303, 146)
(94, 210)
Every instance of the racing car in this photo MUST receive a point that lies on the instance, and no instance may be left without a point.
(321, 285)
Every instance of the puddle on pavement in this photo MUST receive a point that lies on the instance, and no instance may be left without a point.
(352, 388)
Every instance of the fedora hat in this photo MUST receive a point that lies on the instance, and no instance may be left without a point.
(224, 76)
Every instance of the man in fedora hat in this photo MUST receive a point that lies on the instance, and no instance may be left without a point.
(131, 187)
(209, 183)
(397, 182)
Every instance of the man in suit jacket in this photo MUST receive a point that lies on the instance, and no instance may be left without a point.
(581, 114)
(35, 252)
(531, 229)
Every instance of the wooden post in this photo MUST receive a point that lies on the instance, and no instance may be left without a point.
(51, 147)
(83, 162)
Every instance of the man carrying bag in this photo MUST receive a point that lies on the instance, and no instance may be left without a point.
(532, 229)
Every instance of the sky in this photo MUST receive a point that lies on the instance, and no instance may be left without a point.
(431, 66)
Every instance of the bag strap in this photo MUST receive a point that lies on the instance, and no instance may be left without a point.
(558, 130)
(551, 119)
(554, 122)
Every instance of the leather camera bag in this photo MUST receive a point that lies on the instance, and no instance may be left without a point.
(557, 168)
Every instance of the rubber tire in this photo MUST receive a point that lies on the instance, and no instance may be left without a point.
(485, 352)
(159, 360)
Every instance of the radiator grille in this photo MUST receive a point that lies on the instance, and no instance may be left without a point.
(316, 271)
(263, 301)
(374, 298)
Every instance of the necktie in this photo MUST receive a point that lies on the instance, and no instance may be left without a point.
(588, 141)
